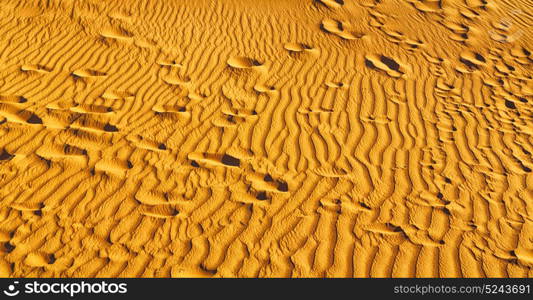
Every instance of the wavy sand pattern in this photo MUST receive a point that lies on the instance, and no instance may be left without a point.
(287, 138)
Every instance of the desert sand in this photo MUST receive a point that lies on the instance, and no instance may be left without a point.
(266, 138)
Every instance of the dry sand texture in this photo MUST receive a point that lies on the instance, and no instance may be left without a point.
(286, 138)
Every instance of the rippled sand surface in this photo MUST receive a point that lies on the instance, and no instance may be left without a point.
(266, 138)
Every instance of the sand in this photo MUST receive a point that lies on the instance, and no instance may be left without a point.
(266, 138)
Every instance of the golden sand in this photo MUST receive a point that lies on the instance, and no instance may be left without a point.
(266, 138)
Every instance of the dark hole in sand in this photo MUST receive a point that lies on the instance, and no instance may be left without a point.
(110, 128)
(283, 187)
(469, 63)
(9, 247)
(510, 104)
(364, 205)
(369, 64)
(391, 63)
(229, 160)
(261, 196)
(4, 155)
(34, 119)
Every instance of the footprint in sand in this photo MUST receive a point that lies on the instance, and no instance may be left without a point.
(340, 29)
(385, 64)
(331, 3)
(242, 62)
(87, 73)
(296, 49)
(117, 33)
(35, 69)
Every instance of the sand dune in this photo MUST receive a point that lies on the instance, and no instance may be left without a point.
(266, 138)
